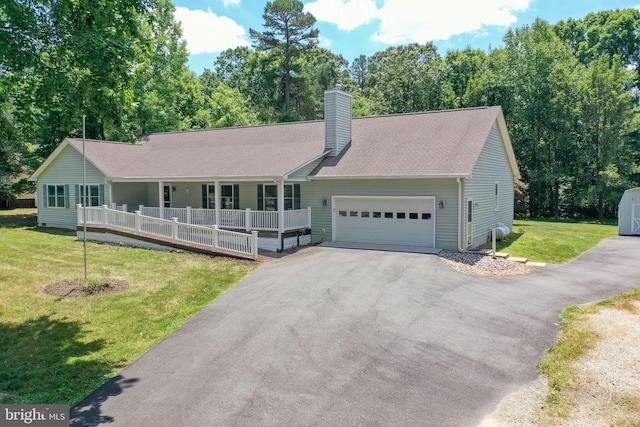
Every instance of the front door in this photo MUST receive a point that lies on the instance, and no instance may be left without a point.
(635, 219)
(166, 195)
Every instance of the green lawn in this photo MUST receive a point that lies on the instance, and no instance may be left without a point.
(554, 241)
(57, 350)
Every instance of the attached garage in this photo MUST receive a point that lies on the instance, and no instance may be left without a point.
(403, 221)
(629, 213)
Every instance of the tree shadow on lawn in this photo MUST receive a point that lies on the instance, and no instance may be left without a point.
(42, 362)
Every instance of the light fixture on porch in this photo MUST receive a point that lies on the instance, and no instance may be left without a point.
(173, 188)
(324, 202)
(441, 204)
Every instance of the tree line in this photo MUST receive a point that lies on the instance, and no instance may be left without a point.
(568, 90)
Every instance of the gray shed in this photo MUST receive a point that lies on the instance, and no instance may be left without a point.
(629, 213)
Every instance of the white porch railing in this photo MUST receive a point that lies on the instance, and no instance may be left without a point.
(171, 230)
(246, 219)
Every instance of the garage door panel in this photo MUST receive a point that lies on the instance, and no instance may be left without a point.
(392, 221)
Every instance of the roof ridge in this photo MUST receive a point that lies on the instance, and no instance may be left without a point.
(417, 113)
(231, 127)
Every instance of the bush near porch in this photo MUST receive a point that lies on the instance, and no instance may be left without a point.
(58, 350)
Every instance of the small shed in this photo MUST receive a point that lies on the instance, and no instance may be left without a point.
(629, 213)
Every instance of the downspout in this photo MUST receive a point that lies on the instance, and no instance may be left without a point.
(460, 219)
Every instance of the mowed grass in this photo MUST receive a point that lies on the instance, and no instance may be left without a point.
(553, 241)
(58, 350)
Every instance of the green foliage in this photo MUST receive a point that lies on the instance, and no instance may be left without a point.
(565, 89)
(408, 78)
(289, 32)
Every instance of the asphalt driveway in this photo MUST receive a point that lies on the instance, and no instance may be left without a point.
(339, 337)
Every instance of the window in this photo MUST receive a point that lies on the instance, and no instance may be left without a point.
(413, 215)
(377, 215)
(388, 214)
(426, 216)
(228, 195)
(56, 196)
(401, 215)
(353, 213)
(496, 196)
(268, 197)
(342, 213)
(93, 195)
(364, 214)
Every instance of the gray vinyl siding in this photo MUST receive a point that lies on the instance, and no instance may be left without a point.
(629, 198)
(492, 166)
(313, 193)
(133, 194)
(305, 171)
(66, 169)
(337, 116)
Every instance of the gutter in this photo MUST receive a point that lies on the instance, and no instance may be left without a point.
(460, 219)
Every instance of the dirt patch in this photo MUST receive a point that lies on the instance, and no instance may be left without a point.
(79, 288)
(606, 388)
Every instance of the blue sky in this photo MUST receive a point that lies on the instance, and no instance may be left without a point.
(355, 27)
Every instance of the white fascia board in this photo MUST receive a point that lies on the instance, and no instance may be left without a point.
(49, 160)
(504, 132)
(286, 175)
(197, 179)
(347, 177)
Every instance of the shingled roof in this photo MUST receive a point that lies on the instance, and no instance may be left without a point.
(434, 144)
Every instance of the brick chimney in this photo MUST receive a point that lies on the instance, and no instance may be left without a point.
(337, 119)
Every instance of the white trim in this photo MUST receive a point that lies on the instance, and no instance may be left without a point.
(286, 175)
(506, 140)
(359, 177)
(203, 179)
(635, 221)
(469, 241)
(334, 212)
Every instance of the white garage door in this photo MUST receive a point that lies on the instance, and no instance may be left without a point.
(406, 221)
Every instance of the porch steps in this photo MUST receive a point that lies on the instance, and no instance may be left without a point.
(504, 255)
(489, 252)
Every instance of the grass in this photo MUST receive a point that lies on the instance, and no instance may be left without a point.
(58, 350)
(575, 340)
(554, 241)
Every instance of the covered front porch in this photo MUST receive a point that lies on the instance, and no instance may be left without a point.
(270, 207)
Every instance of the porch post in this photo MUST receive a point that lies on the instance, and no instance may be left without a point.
(110, 187)
(280, 213)
(218, 197)
(160, 200)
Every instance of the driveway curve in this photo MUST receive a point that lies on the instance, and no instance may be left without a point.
(339, 337)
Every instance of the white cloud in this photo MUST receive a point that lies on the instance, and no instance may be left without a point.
(228, 3)
(324, 42)
(404, 21)
(346, 14)
(206, 32)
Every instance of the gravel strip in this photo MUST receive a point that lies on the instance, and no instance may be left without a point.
(482, 265)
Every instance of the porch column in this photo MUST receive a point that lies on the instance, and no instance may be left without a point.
(218, 190)
(280, 213)
(160, 200)
(110, 187)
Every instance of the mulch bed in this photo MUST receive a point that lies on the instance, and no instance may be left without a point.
(78, 287)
